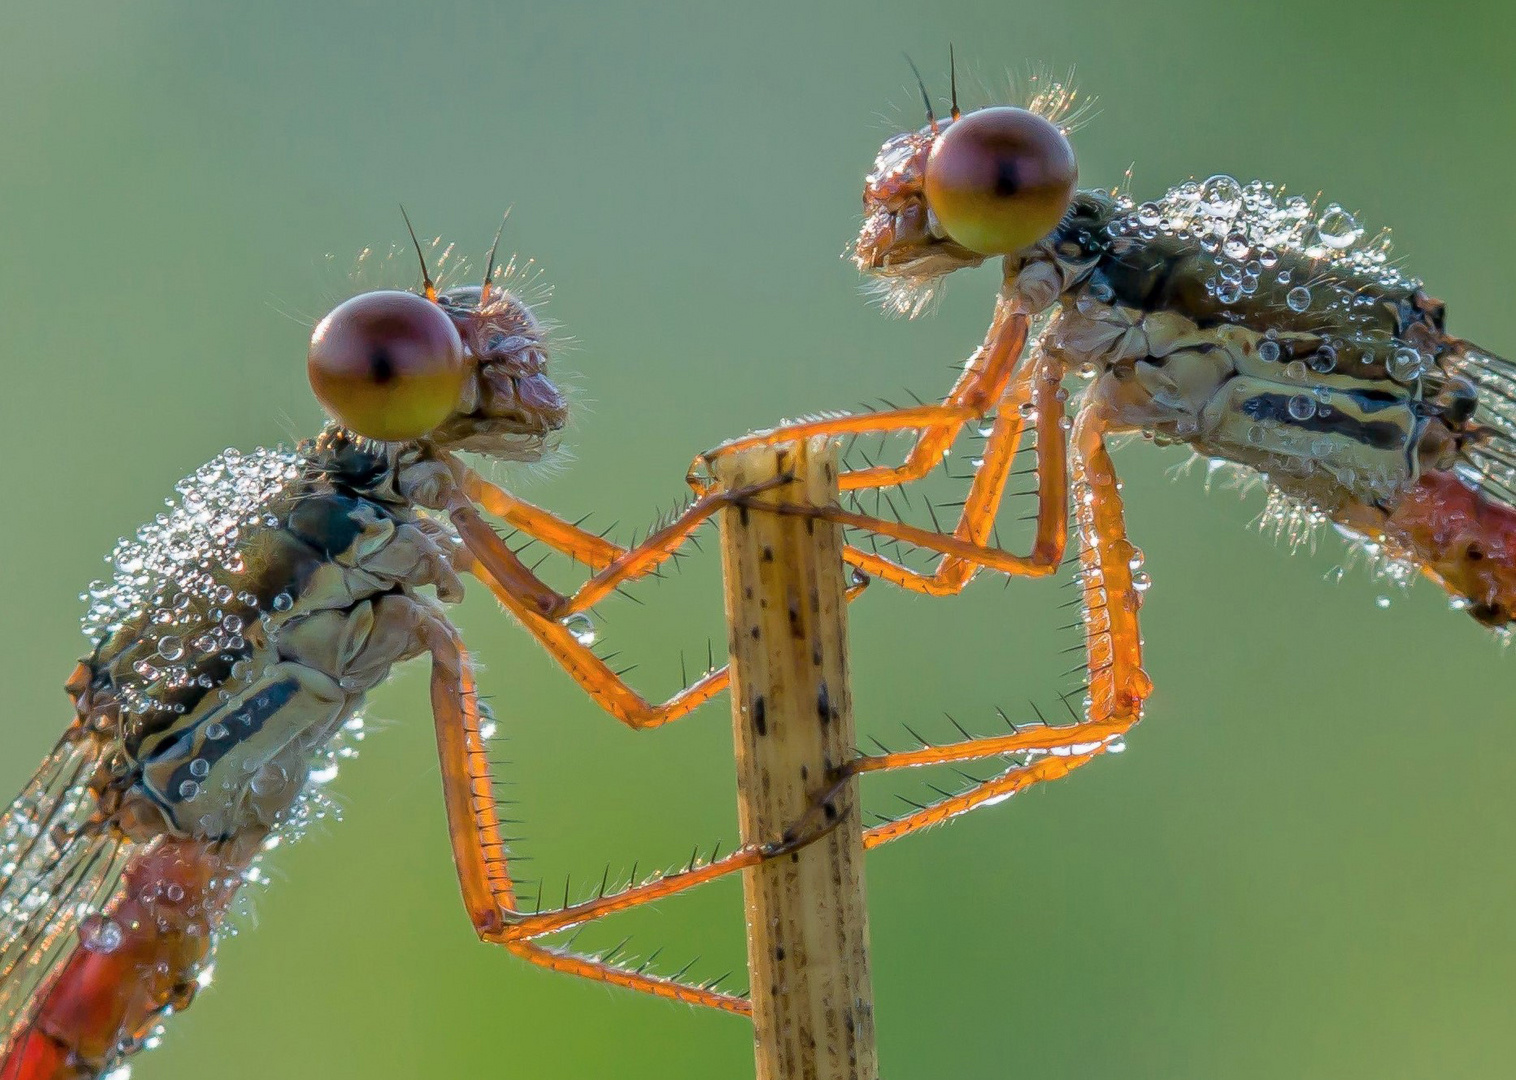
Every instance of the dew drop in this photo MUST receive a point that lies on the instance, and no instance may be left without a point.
(1337, 228)
(1221, 196)
(101, 934)
(267, 780)
(1301, 407)
(1405, 365)
(1298, 298)
(1268, 351)
(582, 627)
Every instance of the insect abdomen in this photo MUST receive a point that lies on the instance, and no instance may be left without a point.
(1462, 540)
(133, 961)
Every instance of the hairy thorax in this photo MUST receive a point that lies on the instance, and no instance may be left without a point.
(1313, 372)
(243, 628)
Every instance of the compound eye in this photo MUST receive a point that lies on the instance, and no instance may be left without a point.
(387, 365)
(1000, 179)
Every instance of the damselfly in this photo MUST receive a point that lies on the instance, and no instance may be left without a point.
(1262, 330)
(232, 650)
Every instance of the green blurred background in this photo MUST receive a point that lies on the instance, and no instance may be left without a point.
(1301, 867)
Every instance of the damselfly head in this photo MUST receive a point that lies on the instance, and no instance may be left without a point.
(958, 191)
(464, 369)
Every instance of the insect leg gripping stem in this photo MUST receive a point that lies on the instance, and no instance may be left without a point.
(1117, 684)
(482, 857)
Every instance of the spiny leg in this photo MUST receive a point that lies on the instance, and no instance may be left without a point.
(522, 592)
(1109, 571)
(628, 565)
(630, 978)
(594, 551)
(540, 610)
(1037, 388)
(1117, 683)
(995, 789)
(983, 382)
(482, 858)
(593, 675)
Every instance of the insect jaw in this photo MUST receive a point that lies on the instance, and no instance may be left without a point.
(908, 243)
(509, 407)
(505, 415)
(901, 239)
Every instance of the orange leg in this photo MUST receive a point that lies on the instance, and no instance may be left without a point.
(987, 374)
(982, 383)
(480, 852)
(592, 673)
(594, 676)
(540, 607)
(594, 551)
(521, 592)
(1038, 388)
(614, 565)
(626, 564)
(1117, 684)
(996, 789)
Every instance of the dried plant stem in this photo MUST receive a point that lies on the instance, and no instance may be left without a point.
(792, 715)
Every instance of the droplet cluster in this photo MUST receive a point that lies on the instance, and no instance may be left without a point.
(176, 582)
(1256, 237)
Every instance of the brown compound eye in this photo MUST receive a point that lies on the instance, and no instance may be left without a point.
(1000, 179)
(387, 365)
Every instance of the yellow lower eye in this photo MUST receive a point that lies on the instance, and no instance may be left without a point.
(1000, 179)
(387, 365)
